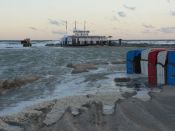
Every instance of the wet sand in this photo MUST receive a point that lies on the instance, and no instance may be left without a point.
(108, 111)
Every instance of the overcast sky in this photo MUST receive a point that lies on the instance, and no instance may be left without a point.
(127, 19)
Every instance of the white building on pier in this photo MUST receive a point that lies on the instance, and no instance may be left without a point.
(82, 38)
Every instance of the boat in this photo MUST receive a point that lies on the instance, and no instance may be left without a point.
(26, 42)
(82, 38)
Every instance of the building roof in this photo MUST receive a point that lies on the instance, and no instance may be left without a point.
(73, 36)
(81, 31)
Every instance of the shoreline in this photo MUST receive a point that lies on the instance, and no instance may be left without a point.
(115, 45)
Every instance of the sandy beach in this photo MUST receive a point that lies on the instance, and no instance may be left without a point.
(101, 112)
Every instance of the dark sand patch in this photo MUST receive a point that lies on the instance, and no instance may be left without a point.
(6, 85)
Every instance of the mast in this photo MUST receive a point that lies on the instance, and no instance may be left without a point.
(66, 26)
(84, 25)
(75, 25)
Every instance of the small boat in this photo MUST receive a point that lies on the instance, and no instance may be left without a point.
(26, 43)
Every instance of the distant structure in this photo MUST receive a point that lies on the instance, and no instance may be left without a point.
(82, 38)
(26, 42)
(120, 42)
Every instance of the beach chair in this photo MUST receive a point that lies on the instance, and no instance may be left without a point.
(152, 69)
(171, 68)
(133, 62)
(144, 61)
(161, 67)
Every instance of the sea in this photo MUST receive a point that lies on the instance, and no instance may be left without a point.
(55, 77)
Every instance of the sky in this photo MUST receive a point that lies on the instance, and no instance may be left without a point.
(126, 19)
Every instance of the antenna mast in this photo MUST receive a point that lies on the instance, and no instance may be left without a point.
(84, 25)
(66, 26)
(75, 25)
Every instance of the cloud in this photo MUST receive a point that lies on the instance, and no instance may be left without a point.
(33, 28)
(122, 14)
(114, 18)
(148, 31)
(148, 26)
(56, 22)
(172, 13)
(129, 7)
(59, 32)
(167, 29)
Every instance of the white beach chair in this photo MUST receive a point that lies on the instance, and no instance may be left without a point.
(161, 68)
(144, 61)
